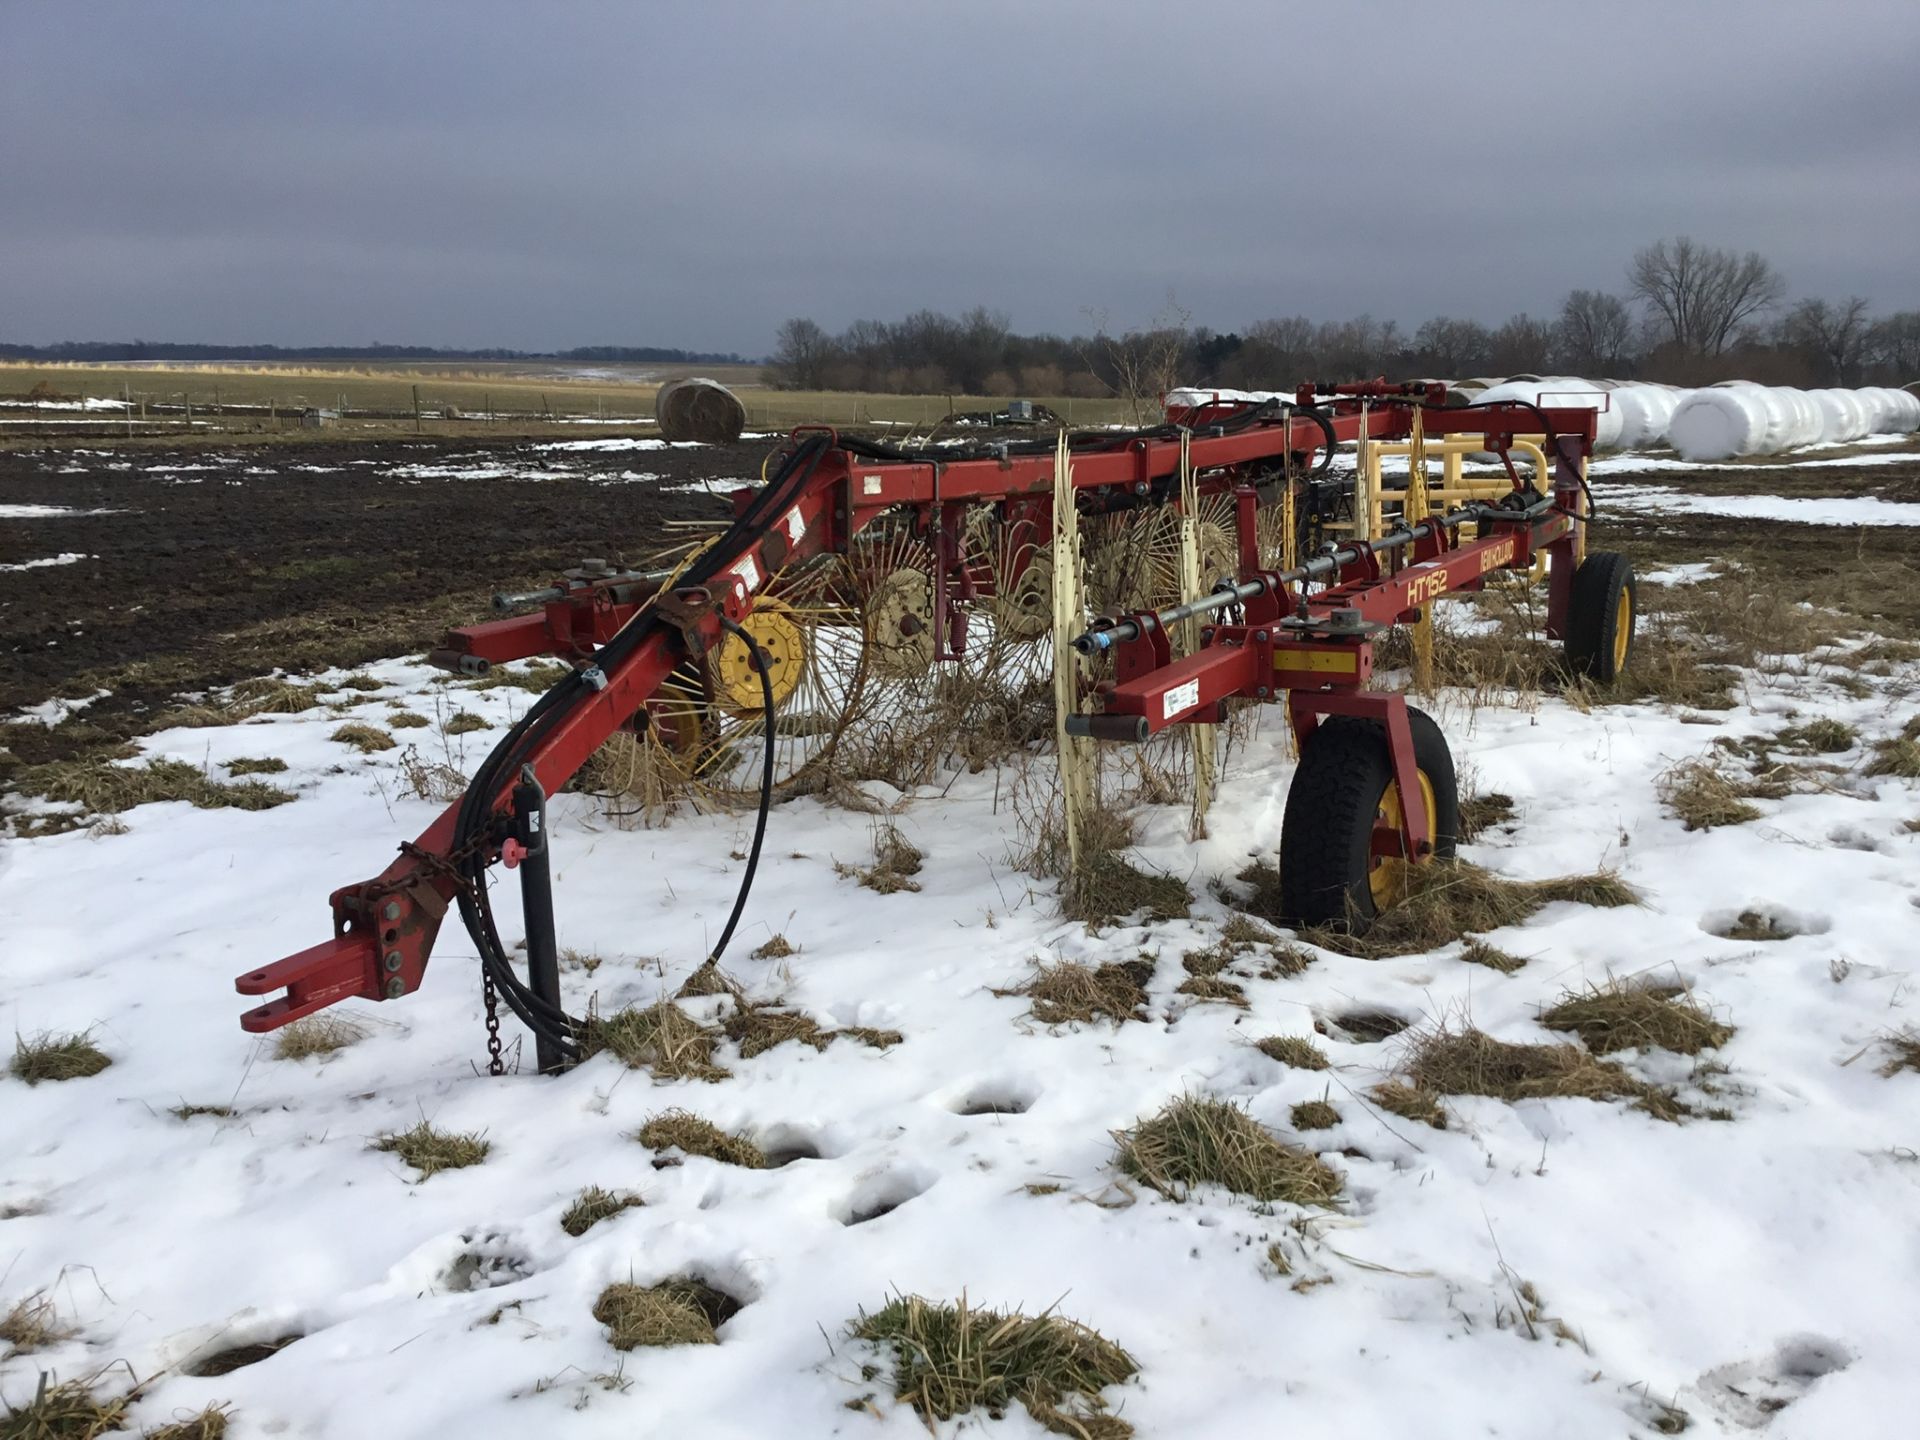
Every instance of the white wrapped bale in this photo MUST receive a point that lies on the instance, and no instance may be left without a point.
(1565, 392)
(1719, 422)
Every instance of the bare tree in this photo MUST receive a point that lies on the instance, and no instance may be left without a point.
(1594, 335)
(1452, 349)
(1141, 365)
(1701, 295)
(1895, 344)
(801, 353)
(1522, 346)
(1833, 337)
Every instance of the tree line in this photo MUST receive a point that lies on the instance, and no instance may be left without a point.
(1688, 314)
(99, 352)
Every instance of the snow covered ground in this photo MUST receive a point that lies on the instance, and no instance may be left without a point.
(1755, 1273)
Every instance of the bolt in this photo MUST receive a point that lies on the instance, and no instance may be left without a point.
(392, 912)
(393, 961)
(396, 987)
(1260, 636)
(1263, 692)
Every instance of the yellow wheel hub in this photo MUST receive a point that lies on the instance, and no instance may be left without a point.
(900, 625)
(775, 629)
(1392, 876)
(1622, 629)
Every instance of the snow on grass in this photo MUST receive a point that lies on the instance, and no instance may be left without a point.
(65, 557)
(1797, 510)
(1546, 1265)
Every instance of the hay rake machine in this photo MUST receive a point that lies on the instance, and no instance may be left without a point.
(1144, 579)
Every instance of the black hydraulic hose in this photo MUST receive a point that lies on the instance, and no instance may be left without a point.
(760, 663)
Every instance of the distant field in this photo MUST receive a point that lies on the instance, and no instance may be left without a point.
(380, 399)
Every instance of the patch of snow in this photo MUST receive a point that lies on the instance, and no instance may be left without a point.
(65, 557)
(1797, 510)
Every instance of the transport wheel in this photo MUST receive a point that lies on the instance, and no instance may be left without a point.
(1600, 616)
(1342, 790)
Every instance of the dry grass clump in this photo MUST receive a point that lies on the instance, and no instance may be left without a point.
(102, 788)
(1619, 1017)
(1286, 960)
(1409, 1103)
(592, 1205)
(1450, 899)
(1824, 736)
(870, 1036)
(688, 1133)
(68, 1411)
(209, 1424)
(407, 720)
(266, 765)
(1104, 889)
(359, 681)
(1752, 925)
(778, 948)
(363, 737)
(430, 779)
(1899, 757)
(317, 1035)
(32, 1324)
(1703, 797)
(681, 1311)
(949, 1360)
(1243, 930)
(48, 1056)
(184, 1111)
(430, 1151)
(660, 1037)
(896, 860)
(759, 1028)
(1478, 952)
(272, 696)
(1471, 1062)
(1905, 1048)
(1212, 987)
(536, 679)
(1481, 813)
(464, 722)
(1200, 1141)
(709, 979)
(1065, 991)
(1295, 1050)
(1313, 1115)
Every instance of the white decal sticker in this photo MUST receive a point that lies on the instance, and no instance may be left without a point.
(796, 526)
(749, 573)
(870, 484)
(1181, 697)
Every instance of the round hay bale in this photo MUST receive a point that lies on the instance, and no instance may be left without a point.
(699, 409)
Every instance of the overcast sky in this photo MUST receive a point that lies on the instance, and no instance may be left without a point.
(549, 175)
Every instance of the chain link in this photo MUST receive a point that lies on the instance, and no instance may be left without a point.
(495, 1065)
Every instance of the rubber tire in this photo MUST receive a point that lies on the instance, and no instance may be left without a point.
(1593, 615)
(1326, 838)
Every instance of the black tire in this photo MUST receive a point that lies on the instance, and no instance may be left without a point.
(1596, 647)
(1326, 839)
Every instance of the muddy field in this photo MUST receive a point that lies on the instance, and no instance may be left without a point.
(203, 567)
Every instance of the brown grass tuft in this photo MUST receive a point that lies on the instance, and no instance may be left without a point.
(949, 1360)
(1104, 889)
(896, 860)
(1471, 1062)
(464, 722)
(1314, 1115)
(1478, 952)
(1898, 757)
(1409, 1103)
(32, 1324)
(1481, 813)
(661, 1037)
(682, 1311)
(1703, 797)
(1824, 736)
(1295, 1050)
(1067, 992)
(68, 1411)
(757, 1029)
(272, 696)
(592, 1205)
(1450, 899)
(266, 765)
(317, 1035)
(407, 720)
(209, 1424)
(536, 679)
(1752, 925)
(872, 1038)
(709, 979)
(363, 737)
(1905, 1048)
(1618, 1017)
(778, 948)
(688, 1133)
(106, 789)
(430, 1151)
(1211, 987)
(1200, 1141)
(56, 1057)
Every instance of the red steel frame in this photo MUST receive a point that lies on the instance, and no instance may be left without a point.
(384, 928)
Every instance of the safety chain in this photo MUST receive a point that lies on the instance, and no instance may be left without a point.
(491, 997)
(450, 865)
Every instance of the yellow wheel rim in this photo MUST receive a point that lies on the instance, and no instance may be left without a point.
(774, 629)
(1391, 875)
(1622, 628)
(899, 624)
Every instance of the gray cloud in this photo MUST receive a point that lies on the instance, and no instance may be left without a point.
(501, 173)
